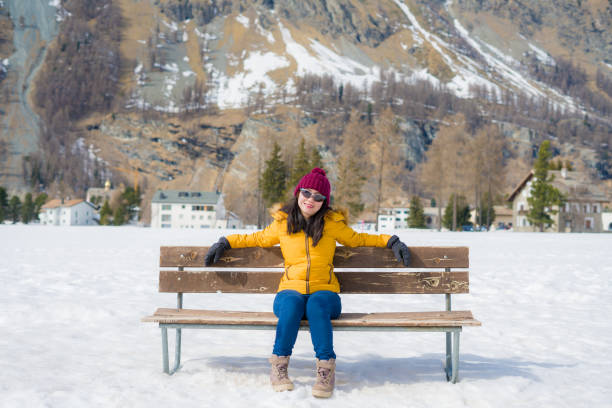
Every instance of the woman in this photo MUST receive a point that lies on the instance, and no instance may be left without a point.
(307, 230)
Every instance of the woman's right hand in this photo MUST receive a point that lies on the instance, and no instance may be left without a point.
(215, 251)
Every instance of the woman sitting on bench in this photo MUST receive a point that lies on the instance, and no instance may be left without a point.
(307, 230)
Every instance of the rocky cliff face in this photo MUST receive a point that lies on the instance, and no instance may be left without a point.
(576, 26)
(33, 26)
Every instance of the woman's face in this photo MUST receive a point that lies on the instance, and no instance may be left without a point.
(309, 206)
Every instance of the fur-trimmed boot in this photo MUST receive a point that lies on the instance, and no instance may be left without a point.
(279, 377)
(326, 378)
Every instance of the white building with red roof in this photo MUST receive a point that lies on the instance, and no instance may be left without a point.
(67, 212)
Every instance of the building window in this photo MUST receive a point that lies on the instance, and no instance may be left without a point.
(166, 207)
(588, 223)
(595, 208)
(521, 207)
(587, 208)
(166, 217)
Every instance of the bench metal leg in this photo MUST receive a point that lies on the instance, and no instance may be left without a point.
(452, 357)
(449, 362)
(177, 351)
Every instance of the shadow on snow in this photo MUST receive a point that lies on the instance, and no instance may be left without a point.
(373, 370)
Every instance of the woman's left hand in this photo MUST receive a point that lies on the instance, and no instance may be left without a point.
(400, 250)
(215, 251)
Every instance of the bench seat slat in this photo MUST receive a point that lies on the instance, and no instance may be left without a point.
(345, 257)
(350, 282)
(395, 319)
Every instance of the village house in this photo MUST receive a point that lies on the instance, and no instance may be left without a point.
(191, 209)
(503, 217)
(391, 219)
(396, 218)
(98, 196)
(582, 211)
(67, 212)
(606, 219)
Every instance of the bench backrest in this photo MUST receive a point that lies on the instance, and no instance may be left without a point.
(364, 273)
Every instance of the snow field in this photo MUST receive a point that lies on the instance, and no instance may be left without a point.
(72, 337)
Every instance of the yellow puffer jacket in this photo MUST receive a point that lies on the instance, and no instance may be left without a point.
(308, 268)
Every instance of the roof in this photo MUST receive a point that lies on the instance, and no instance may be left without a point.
(520, 186)
(186, 197)
(55, 203)
(575, 185)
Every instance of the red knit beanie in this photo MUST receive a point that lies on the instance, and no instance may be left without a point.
(316, 180)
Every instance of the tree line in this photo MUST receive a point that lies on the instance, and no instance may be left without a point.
(16, 210)
(122, 207)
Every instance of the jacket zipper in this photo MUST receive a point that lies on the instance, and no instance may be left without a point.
(307, 266)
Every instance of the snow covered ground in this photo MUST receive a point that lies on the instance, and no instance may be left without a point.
(71, 336)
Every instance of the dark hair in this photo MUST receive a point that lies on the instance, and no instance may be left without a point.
(312, 227)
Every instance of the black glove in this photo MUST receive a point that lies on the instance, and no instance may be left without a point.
(400, 250)
(215, 251)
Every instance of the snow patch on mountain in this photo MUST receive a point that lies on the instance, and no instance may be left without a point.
(233, 92)
(542, 55)
(327, 62)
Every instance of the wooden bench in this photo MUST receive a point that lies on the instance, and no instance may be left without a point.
(182, 272)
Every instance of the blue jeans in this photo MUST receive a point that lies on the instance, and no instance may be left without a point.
(319, 308)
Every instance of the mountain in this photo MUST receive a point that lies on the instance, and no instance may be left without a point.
(192, 93)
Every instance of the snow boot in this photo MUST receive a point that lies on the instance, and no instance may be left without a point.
(279, 378)
(326, 378)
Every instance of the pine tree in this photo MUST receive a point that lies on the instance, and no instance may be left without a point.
(301, 166)
(273, 179)
(543, 194)
(315, 158)
(14, 209)
(39, 202)
(119, 216)
(416, 218)
(131, 201)
(105, 213)
(27, 209)
(3, 204)
(463, 212)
